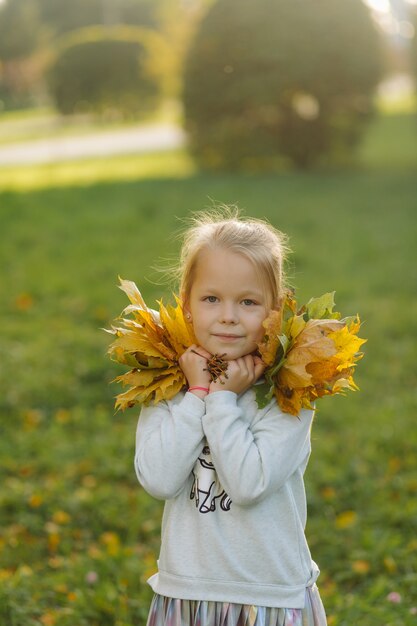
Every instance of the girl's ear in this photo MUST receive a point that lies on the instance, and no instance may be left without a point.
(186, 310)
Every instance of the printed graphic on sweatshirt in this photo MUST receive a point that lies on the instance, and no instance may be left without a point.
(206, 488)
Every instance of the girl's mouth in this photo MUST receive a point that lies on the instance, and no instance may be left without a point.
(226, 337)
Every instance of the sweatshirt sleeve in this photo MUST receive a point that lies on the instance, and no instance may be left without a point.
(169, 438)
(253, 461)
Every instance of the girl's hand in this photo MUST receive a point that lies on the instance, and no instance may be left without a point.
(193, 363)
(241, 374)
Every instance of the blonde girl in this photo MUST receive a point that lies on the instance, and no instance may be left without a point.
(233, 551)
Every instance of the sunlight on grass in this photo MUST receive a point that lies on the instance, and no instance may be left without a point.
(173, 164)
(397, 105)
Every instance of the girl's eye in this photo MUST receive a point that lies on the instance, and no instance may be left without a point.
(248, 302)
(210, 298)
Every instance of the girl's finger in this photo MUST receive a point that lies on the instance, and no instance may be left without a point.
(259, 367)
(203, 352)
(247, 365)
(199, 351)
(243, 366)
(249, 361)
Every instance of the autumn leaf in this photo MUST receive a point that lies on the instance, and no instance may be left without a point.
(150, 342)
(270, 342)
(311, 345)
(347, 345)
(314, 356)
(179, 331)
(291, 400)
(295, 326)
(132, 292)
(159, 387)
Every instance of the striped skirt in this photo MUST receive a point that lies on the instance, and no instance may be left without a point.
(174, 612)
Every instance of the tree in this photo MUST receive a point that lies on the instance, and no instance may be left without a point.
(279, 79)
(19, 38)
(101, 68)
(63, 16)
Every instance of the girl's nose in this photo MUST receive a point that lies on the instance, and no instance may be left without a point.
(228, 314)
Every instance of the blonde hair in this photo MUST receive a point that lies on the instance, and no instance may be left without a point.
(257, 240)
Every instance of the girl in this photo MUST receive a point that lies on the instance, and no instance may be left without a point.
(233, 552)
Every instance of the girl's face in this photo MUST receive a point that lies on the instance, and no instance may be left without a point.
(227, 304)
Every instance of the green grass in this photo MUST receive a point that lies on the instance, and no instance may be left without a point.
(78, 535)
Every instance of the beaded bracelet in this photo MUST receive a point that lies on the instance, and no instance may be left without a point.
(199, 389)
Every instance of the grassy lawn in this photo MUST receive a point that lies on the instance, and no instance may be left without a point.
(78, 536)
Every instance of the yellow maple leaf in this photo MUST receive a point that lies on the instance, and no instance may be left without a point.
(132, 292)
(151, 342)
(139, 378)
(160, 388)
(132, 342)
(296, 325)
(179, 331)
(170, 386)
(347, 345)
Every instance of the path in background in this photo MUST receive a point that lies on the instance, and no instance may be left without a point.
(157, 137)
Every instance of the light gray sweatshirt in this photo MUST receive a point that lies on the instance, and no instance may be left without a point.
(235, 511)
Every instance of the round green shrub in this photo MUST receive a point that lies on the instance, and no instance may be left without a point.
(279, 81)
(101, 68)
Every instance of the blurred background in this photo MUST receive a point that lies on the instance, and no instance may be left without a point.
(118, 118)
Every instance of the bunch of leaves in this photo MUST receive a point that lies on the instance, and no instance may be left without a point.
(150, 343)
(310, 352)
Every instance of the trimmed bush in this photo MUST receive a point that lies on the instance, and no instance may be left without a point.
(101, 68)
(279, 81)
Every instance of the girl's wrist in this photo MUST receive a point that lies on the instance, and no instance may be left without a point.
(226, 387)
(199, 390)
